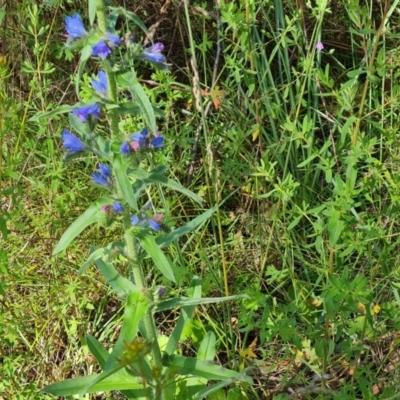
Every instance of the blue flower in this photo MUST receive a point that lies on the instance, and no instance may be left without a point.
(115, 40)
(153, 222)
(125, 148)
(75, 27)
(101, 49)
(84, 112)
(100, 85)
(103, 176)
(141, 137)
(158, 141)
(117, 207)
(134, 220)
(153, 53)
(71, 143)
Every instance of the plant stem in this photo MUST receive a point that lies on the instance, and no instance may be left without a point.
(112, 86)
(149, 324)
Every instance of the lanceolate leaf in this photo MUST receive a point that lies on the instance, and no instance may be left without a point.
(123, 182)
(180, 301)
(144, 103)
(55, 111)
(118, 283)
(205, 369)
(135, 309)
(168, 238)
(121, 380)
(90, 216)
(153, 250)
(184, 316)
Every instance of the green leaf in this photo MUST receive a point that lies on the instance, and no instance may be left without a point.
(144, 103)
(161, 179)
(184, 317)
(99, 253)
(92, 11)
(159, 258)
(98, 350)
(205, 369)
(123, 181)
(130, 15)
(135, 309)
(121, 380)
(55, 111)
(168, 238)
(207, 347)
(90, 216)
(86, 52)
(182, 301)
(118, 283)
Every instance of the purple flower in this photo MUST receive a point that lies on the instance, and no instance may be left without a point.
(153, 53)
(117, 207)
(101, 49)
(84, 112)
(100, 85)
(75, 27)
(125, 148)
(103, 176)
(114, 40)
(154, 225)
(71, 143)
(319, 46)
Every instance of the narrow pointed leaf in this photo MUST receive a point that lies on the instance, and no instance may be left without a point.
(159, 258)
(90, 216)
(135, 309)
(182, 301)
(123, 181)
(118, 283)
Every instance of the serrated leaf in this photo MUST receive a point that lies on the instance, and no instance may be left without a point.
(90, 216)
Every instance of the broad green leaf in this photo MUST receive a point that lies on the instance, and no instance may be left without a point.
(184, 317)
(181, 301)
(166, 239)
(123, 181)
(136, 307)
(159, 258)
(118, 283)
(90, 216)
(121, 380)
(55, 111)
(205, 369)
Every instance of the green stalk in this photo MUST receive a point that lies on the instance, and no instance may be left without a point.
(131, 245)
(112, 85)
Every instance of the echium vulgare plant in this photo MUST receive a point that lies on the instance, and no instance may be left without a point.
(137, 365)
